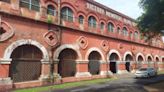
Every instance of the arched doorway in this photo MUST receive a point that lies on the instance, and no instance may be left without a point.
(140, 60)
(157, 59)
(113, 62)
(156, 62)
(163, 63)
(26, 63)
(128, 59)
(94, 63)
(149, 60)
(67, 63)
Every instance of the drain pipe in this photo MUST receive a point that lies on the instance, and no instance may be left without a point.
(51, 49)
(51, 79)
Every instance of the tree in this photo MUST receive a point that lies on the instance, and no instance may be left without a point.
(151, 22)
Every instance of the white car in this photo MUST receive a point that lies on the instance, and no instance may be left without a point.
(145, 72)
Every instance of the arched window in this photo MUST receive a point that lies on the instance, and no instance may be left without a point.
(92, 22)
(125, 31)
(118, 30)
(136, 35)
(131, 35)
(8, 1)
(110, 27)
(102, 26)
(81, 19)
(67, 14)
(145, 38)
(30, 4)
(51, 10)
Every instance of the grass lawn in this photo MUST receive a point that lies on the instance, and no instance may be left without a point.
(65, 85)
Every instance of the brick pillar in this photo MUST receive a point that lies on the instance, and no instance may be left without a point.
(105, 68)
(56, 62)
(139, 64)
(57, 77)
(45, 72)
(43, 11)
(152, 64)
(121, 67)
(163, 65)
(15, 4)
(144, 64)
(82, 69)
(5, 80)
(133, 66)
(160, 66)
(15, 7)
(156, 65)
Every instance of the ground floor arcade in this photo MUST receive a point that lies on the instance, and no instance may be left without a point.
(27, 63)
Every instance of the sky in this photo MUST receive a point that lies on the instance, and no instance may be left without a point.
(127, 7)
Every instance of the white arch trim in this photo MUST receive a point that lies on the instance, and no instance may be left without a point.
(114, 51)
(140, 54)
(127, 53)
(14, 45)
(149, 55)
(94, 49)
(67, 46)
(157, 56)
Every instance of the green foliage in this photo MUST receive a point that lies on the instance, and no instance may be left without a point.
(151, 22)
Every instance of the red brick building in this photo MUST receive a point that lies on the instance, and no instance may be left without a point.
(69, 40)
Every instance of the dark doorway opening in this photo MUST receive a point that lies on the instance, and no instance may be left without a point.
(67, 63)
(127, 64)
(94, 63)
(128, 60)
(140, 60)
(149, 62)
(26, 64)
(113, 62)
(156, 63)
(113, 67)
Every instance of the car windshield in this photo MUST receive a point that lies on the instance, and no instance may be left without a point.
(143, 69)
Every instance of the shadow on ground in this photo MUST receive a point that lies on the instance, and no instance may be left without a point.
(154, 84)
(128, 84)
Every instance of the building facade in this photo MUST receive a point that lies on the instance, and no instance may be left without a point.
(69, 40)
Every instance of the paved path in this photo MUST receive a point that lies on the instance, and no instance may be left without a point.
(125, 83)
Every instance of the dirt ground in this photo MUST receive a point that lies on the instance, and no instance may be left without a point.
(157, 87)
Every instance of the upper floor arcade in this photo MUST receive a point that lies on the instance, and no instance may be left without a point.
(83, 15)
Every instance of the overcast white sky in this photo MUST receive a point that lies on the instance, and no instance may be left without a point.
(127, 7)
